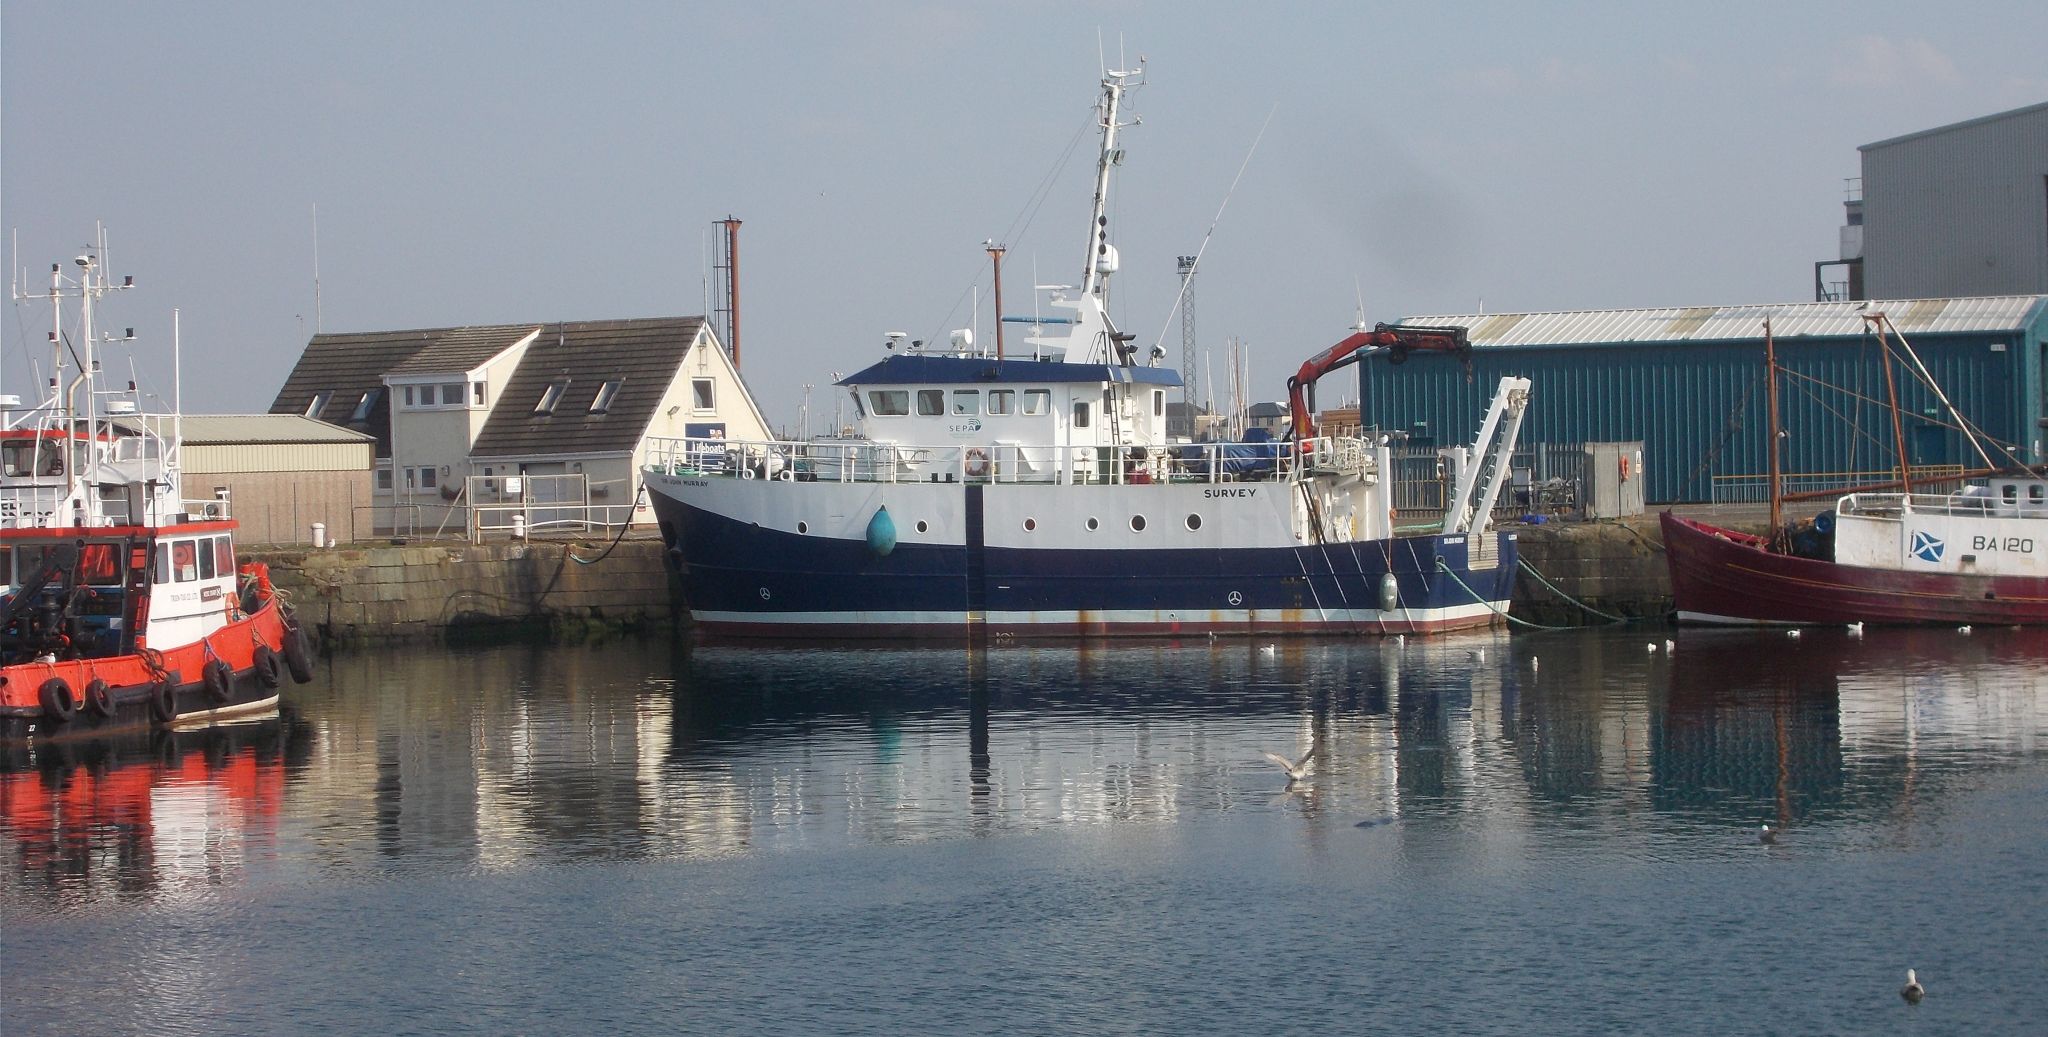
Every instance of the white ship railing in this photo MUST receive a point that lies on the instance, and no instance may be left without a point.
(865, 460)
(1964, 505)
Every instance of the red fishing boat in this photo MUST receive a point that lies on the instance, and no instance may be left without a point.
(123, 604)
(1885, 555)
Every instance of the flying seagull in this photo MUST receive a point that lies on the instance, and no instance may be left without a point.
(1296, 769)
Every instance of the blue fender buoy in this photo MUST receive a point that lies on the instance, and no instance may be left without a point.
(882, 533)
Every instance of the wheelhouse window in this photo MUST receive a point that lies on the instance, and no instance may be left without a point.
(931, 401)
(184, 561)
(1081, 413)
(551, 395)
(1002, 401)
(967, 401)
(203, 547)
(605, 394)
(889, 402)
(703, 394)
(1158, 403)
(224, 554)
(1037, 402)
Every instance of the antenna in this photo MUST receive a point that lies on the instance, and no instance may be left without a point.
(317, 323)
(1190, 391)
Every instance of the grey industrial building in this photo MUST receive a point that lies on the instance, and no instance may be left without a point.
(1948, 237)
(1689, 383)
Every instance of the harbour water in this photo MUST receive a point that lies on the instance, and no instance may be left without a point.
(1543, 833)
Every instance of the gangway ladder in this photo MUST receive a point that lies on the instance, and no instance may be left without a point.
(1503, 423)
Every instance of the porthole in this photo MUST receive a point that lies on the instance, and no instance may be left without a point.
(803, 527)
(1030, 524)
(1137, 523)
(922, 525)
(1092, 524)
(1194, 521)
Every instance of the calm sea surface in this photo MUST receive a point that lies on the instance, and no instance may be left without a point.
(1547, 833)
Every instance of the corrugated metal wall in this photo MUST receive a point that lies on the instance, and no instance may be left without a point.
(1699, 408)
(278, 457)
(1962, 210)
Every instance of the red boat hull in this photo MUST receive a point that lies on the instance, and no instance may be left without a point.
(1725, 576)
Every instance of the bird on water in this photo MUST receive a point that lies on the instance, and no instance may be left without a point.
(1767, 834)
(1296, 769)
(1912, 991)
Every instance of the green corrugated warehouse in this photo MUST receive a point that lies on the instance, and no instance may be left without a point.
(1689, 383)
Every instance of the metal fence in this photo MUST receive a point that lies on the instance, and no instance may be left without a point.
(1544, 479)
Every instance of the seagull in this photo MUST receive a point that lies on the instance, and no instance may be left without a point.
(1479, 655)
(1652, 646)
(1856, 629)
(1912, 991)
(1792, 633)
(1296, 769)
(1766, 835)
(1268, 650)
(1670, 646)
(1535, 664)
(1964, 629)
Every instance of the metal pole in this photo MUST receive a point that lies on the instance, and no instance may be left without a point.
(995, 255)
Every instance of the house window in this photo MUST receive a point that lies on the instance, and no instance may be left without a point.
(318, 404)
(427, 395)
(427, 478)
(1037, 401)
(701, 395)
(1002, 401)
(931, 401)
(967, 401)
(551, 396)
(383, 478)
(889, 401)
(605, 395)
(411, 480)
(365, 405)
(451, 394)
(1080, 413)
(408, 396)
(476, 394)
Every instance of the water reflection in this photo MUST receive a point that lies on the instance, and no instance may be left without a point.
(496, 758)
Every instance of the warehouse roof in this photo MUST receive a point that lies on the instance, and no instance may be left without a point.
(1740, 323)
(233, 429)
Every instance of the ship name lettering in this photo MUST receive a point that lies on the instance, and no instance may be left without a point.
(1235, 491)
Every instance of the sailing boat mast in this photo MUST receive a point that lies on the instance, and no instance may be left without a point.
(1891, 393)
(1777, 437)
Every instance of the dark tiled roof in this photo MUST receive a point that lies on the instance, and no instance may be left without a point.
(644, 353)
(347, 366)
(454, 351)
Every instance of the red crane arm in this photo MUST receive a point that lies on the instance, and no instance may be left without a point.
(1397, 339)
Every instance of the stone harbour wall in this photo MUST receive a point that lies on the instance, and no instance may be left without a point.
(416, 591)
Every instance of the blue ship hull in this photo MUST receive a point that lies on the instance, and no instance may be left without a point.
(741, 577)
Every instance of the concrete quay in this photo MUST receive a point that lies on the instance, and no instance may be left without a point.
(421, 591)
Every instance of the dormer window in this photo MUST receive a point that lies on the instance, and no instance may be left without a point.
(605, 394)
(318, 404)
(550, 396)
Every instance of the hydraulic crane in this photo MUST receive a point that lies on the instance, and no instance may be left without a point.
(1396, 340)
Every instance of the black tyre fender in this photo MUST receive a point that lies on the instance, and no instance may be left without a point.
(298, 653)
(99, 699)
(163, 702)
(219, 680)
(264, 663)
(59, 704)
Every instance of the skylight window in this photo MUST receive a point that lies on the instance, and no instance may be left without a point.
(366, 404)
(318, 404)
(551, 396)
(605, 394)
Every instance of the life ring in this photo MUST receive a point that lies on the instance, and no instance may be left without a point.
(59, 705)
(977, 462)
(264, 663)
(298, 653)
(219, 681)
(99, 699)
(163, 702)
(1624, 468)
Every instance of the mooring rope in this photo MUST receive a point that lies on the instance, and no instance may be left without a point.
(1531, 570)
(1498, 611)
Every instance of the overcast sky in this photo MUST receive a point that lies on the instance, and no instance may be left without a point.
(504, 162)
